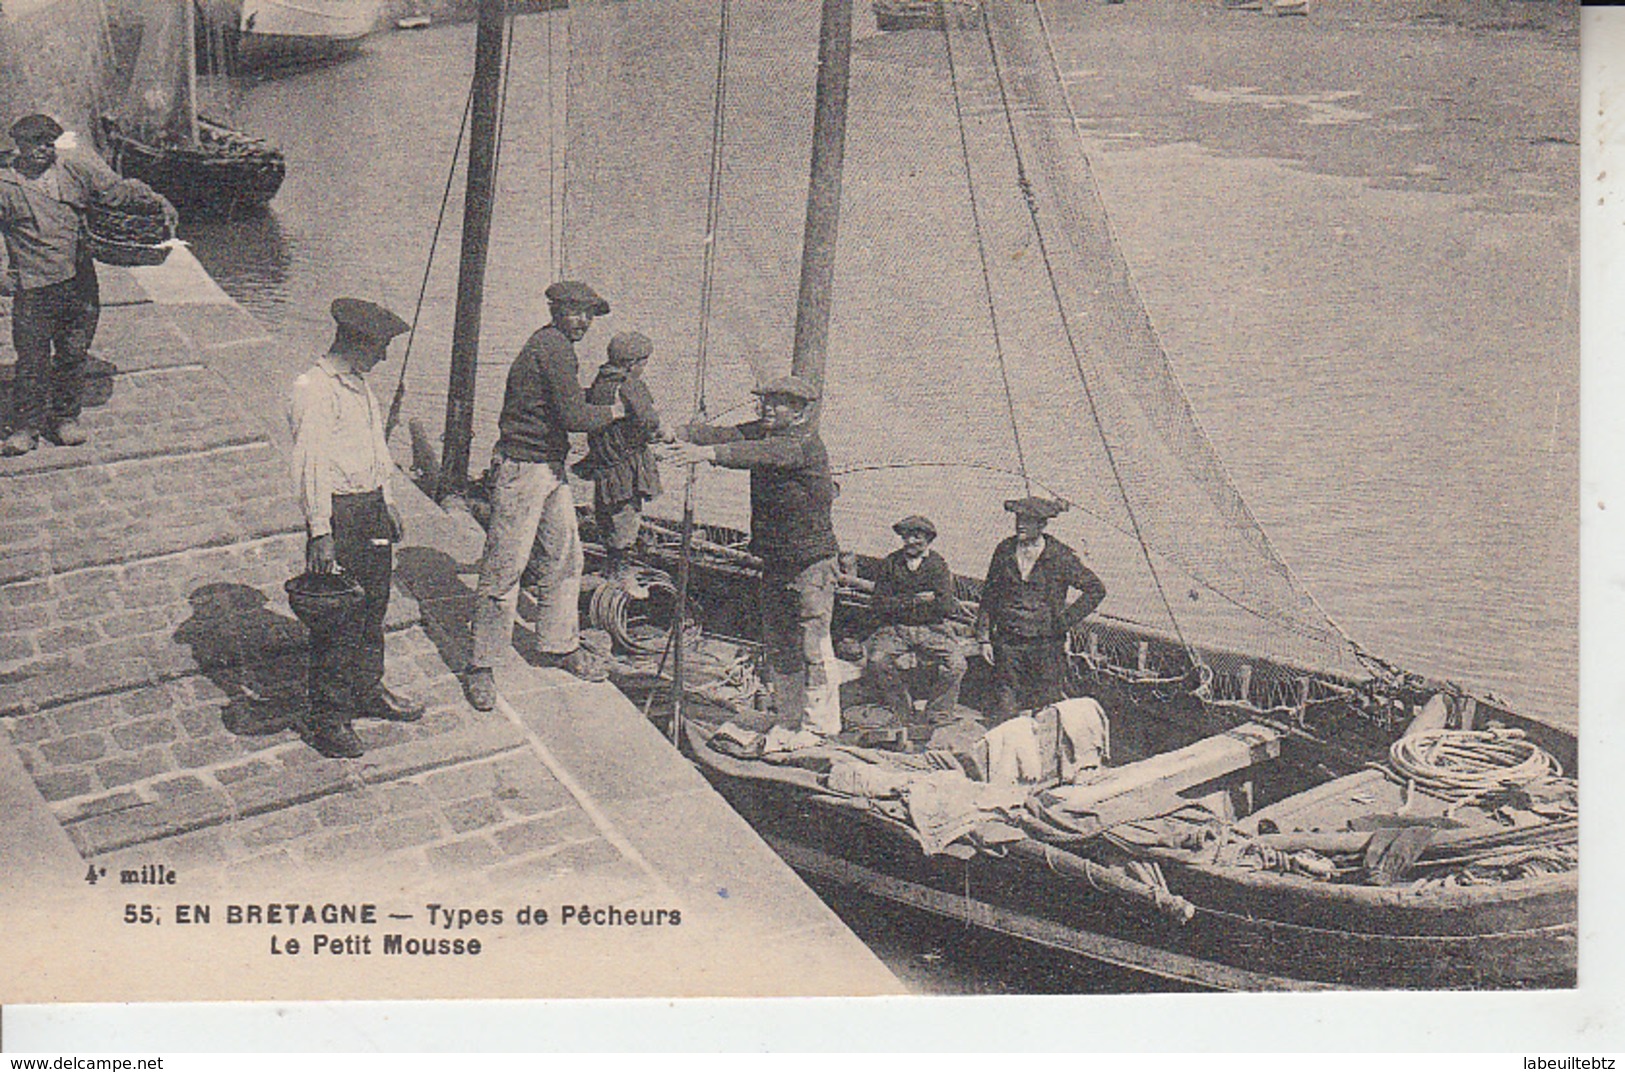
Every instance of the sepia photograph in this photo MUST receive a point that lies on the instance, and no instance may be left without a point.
(751, 498)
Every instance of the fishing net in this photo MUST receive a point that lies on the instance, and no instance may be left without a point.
(986, 340)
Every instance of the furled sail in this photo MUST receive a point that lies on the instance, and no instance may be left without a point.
(987, 339)
(160, 105)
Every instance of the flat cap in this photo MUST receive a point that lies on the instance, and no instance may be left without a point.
(629, 346)
(367, 318)
(788, 387)
(36, 127)
(915, 523)
(574, 292)
(1032, 506)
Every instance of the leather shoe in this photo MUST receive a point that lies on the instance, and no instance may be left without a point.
(480, 685)
(384, 704)
(19, 443)
(68, 434)
(335, 741)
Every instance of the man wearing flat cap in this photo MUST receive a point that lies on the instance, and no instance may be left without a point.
(1024, 617)
(623, 470)
(531, 503)
(913, 599)
(56, 303)
(791, 532)
(342, 466)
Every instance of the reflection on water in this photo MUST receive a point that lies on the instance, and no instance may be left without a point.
(248, 256)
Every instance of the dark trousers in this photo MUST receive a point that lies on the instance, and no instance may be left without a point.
(347, 661)
(51, 329)
(1027, 674)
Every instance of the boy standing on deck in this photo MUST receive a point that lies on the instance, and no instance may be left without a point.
(618, 462)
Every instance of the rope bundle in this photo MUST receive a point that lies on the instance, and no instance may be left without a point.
(632, 623)
(1460, 765)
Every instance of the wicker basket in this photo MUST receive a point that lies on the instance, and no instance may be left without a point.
(126, 239)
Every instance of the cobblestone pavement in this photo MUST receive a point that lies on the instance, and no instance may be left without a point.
(151, 673)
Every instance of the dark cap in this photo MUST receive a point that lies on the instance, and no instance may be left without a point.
(578, 294)
(788, 387)
(1032, 506)
(915, 523)
(629, 346)
(36, 127)
(367, 318)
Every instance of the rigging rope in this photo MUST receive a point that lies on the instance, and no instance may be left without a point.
(1066, 326)
(552, 203)
(981, 249)
(713, 211)
(399, 398)
(562, 262)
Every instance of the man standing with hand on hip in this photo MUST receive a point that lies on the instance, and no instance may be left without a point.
(342, 465)
(531, 502)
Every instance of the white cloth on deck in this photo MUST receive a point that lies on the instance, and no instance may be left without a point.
(1085, 736)
(1012, 752)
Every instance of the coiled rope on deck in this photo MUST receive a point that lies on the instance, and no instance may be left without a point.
(1461, 765)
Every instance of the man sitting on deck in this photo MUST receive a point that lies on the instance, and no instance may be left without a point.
(1024, 617)
(913, 598)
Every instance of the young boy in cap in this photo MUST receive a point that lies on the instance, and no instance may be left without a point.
(56, 303)
(913, 599)
(1023, 619)
(531, 503)
(618, 462)
(342, 466)
(791, 532)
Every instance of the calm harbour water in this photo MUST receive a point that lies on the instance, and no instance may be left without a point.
(1436, 536)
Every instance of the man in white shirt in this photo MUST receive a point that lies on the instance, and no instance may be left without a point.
(342, 467)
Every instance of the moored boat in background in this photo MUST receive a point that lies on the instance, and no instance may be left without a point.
(274, 33)
(224, 172)
(204, 166)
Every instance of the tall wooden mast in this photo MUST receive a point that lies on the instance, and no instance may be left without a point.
(477, 203)
(823, 193)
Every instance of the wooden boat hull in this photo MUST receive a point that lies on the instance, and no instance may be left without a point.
(276, 33)
(244, 175)
(1251, 929)
(1254, 932)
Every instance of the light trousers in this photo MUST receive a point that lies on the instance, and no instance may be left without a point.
(531, 506)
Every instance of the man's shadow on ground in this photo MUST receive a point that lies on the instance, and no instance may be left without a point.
(445, 602)
(254, 656)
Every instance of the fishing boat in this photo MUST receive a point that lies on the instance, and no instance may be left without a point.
(1235, 794)
(204, 166)
(273, 33)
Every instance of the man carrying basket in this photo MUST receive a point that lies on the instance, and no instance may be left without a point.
(55, 300)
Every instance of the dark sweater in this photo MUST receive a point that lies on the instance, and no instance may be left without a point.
(619, 460)
(896, 586)
(1016, 609)
(544, 402)
(790, 491)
